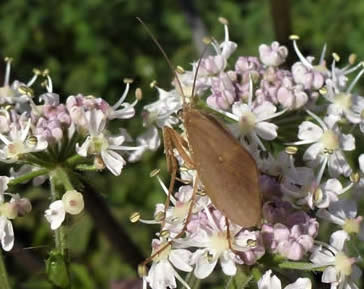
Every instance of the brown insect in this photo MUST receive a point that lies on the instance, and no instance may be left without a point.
(225, 168)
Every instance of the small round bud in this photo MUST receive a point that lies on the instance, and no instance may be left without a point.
(23, 206)
(142, 270)
(291, 150)
(138, 93)
(134, 217)
(223, 20)
(294, 37)
(73, 202)
(8, 210)
(154, 172)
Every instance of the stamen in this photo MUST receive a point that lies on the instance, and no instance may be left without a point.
(124, 95)
(299, 54)
(356, 79)
(8, 61)
(135, 217)
(314, 116)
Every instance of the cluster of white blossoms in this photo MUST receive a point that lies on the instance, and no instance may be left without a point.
(42, 138)
(301, 124)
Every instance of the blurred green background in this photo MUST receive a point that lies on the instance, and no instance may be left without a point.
(90, 46)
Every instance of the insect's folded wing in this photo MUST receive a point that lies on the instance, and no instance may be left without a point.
(226, 169)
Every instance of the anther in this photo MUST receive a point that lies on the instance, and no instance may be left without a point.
(354, 177)
(323, 90)
(352, 58)
(294, 37)
(138, 93)
(206, 40)
(154, 172)
(165, 234)
(291, 150)
(153, 84)
(32, 140)
(180, 70)
(25, 90)
(159, 217)
(336, 56)
(37, 71)
(134, 217)
(128, 80)
(223, 20)
(45, 72)
(142, 270)
(251, 243)
(8, 59)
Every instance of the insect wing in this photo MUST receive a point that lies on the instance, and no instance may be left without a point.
(226, 169)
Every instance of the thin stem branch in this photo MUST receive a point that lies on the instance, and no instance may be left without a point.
(4, 282)
(28, 177)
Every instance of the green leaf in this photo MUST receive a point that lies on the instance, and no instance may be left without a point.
(57, 270)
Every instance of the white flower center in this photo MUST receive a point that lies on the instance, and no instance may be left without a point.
(343, 264)
(352, 226)
(344, 100)
(247, 122)
(98, 144)
(180, 211)
(219, 242)
(330, 141)
(15, 148)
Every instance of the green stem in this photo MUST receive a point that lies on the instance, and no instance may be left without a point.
(28, 177)
(74, 160)
(59, 236)
(4, 282)
(300, 266)
(63, 177)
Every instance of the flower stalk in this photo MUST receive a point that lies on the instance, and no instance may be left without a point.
(4, 282)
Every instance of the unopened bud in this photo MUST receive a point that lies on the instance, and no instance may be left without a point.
(23, 206)
(134, 217)
(73, 202)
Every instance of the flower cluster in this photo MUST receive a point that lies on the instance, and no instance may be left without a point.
(42, 138)
(298, 123)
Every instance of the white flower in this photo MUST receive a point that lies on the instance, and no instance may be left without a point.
(344, 214)
(273, 55)
(6, 233)
(162, 111)
(55, 214)
(252, 119)
(327, 144)
(162, 275)
(272, 282)
(340, 270)
(18, 143)
(149, 140)
(99, 143)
